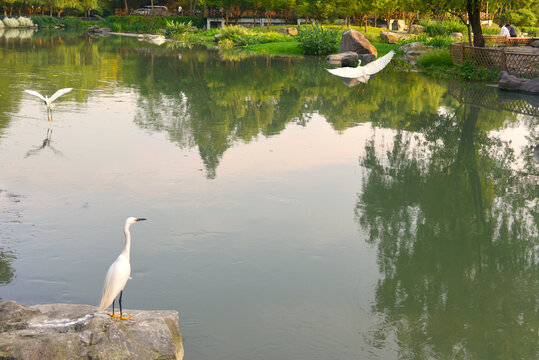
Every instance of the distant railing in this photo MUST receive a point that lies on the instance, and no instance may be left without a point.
(518, 63)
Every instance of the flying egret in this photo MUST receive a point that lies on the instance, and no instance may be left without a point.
(118, 274)
(48, 100)
(363, 73)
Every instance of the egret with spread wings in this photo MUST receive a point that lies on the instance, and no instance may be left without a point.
(48, 100)
(363, 73)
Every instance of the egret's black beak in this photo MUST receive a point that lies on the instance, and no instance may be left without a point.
(140, 219)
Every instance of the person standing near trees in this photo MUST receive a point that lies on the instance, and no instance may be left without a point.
(504, 30)
(512, 30)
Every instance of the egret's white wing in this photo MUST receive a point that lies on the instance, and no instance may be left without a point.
(35, 93)
(378, 64)
(59, 93)
(347, 72)
(115, 281)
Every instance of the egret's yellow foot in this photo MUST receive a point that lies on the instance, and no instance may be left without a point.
(125, 318)
(113, 316)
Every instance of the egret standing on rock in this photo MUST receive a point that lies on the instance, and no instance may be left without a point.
(48, 100)
(118, 274)
(363, 73)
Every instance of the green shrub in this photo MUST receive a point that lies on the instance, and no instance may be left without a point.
(273, 37)
(437, 28)
(490, 30)
(468, 71)
(225, 44)
(72, 22)
(229, 32)
(316, 40)
(438, 41)
(172, 27)
(530, 30)
(45, 21)
(149, 24)
(440, 58)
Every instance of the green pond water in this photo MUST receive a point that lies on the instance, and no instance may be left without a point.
(289, 215)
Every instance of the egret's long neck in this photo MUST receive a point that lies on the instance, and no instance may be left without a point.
(127, 248)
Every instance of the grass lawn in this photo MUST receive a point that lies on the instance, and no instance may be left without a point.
(277, 48)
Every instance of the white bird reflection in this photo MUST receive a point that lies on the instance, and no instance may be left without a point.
(45, 144)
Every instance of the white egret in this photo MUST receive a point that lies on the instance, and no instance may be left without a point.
(363, 73)
(48, 100)
(118, 274)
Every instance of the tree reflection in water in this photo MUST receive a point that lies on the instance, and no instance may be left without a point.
(457, 237)
(7, 214)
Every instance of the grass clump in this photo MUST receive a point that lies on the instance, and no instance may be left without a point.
(72, 22)
(317, 40)
(233, 31)
(175, 28)
(45, 21)
(146, 24)
(441, 28)
(290, 47)
(440, 58)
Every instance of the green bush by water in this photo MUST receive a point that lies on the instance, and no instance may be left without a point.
(52, 21)
(440, 58)
(149, 24)
(317, 40)
(175, 28)
(438, 28)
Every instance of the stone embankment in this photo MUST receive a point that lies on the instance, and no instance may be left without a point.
(69, 331)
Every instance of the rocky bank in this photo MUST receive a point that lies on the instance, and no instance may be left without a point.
(70, 331)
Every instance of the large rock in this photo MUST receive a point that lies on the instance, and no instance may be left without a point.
(355, 41)
(366, 58)
(151, 38)
(535, 43)
(418, 29)
(397, 25)
(348, 58)
(288, 31)
(412, 51)
(510, 82)
(392, 38)
(68, 331)
(457, 35)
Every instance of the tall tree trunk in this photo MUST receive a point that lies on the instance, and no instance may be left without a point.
(474, 16)
(125, 3)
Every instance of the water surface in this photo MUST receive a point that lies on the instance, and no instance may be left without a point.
(290, 216)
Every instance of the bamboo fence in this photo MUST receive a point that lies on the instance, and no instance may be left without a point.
(491, 98)
(515, 62)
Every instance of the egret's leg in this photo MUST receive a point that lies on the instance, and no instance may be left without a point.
(122, 317)
(112, 316)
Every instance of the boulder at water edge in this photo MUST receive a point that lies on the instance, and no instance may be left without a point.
(348, 58)
(69, 331)
(511, 82)
(355, 41)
